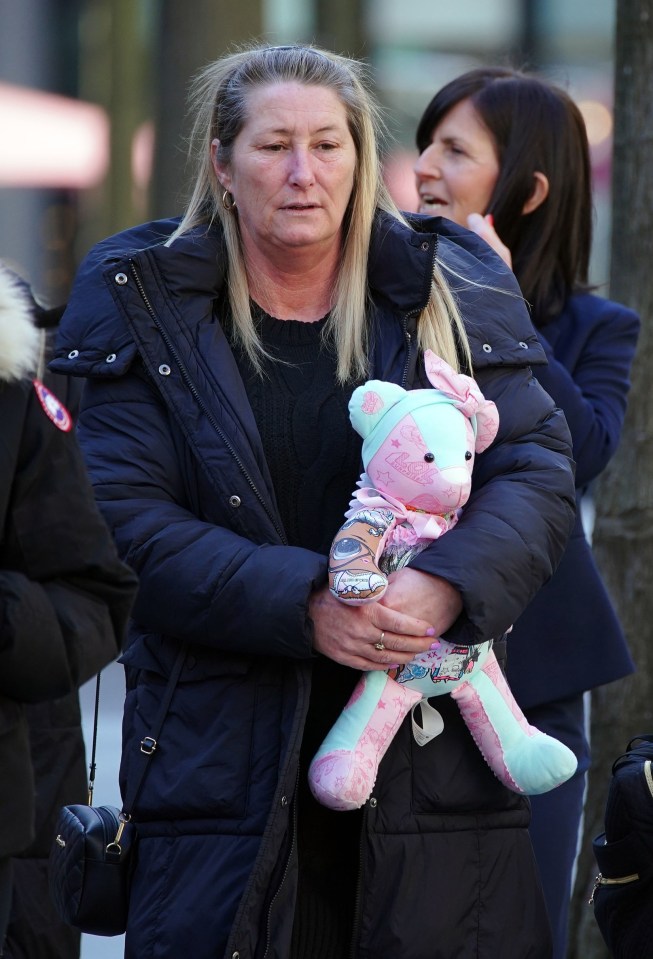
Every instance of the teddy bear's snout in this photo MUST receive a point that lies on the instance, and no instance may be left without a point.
(453, 487)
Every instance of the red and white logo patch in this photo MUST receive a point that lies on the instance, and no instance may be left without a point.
(53, 407)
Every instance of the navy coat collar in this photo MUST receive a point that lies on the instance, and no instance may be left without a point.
(400, 272)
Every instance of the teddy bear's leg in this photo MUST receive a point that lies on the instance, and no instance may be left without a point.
(523, 758)
(354, 574)
(344, 769)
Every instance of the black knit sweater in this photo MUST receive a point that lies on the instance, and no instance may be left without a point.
(314, 458)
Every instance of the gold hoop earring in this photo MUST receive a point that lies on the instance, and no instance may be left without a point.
(228, 201)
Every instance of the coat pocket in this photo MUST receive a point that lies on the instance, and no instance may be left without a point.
(219, 737)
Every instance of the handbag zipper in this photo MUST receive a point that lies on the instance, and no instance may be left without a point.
(112, 834)
(200, 402)
(604, 881)
(621, 880)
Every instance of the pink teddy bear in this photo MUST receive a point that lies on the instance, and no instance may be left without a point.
(418, 453)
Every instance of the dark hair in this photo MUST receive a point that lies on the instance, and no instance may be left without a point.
(536, 126)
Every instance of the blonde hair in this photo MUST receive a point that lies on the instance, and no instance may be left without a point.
(219, 100)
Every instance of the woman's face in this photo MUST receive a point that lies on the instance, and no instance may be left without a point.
(292, 169)
(457, 172)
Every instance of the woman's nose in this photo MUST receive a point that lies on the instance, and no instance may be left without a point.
(427, 164)
(301, 168)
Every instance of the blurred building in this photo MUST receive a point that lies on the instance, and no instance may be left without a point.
(92, 158)
(38, 57)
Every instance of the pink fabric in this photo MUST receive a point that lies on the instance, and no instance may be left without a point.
(344, 779)
(467, 397)
(479, 724)
(425, 525)
(372, 403)
(493, 670)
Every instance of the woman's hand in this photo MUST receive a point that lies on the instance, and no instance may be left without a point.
(352, 635)
(427, 596)
(483, 226)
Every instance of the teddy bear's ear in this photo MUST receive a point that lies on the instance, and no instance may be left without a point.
(443, 377)
(466, 396)
(487, 425)
(370, 402)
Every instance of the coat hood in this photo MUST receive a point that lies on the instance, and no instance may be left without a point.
(19, 338)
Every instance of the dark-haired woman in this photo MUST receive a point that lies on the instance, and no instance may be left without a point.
(507, 155)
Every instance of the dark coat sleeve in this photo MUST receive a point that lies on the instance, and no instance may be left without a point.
(64, 594)
(514, 528)
(588, 374)
(200, 579)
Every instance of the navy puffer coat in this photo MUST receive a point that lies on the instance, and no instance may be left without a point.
(64, 604)
(180, 474)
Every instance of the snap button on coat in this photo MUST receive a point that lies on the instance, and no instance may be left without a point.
(165, 370)
(234, 501)
(121, 279)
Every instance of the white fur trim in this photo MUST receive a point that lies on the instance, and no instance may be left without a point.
(19, 338)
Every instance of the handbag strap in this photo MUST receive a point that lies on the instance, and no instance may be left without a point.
(148, 744)
(91, 774)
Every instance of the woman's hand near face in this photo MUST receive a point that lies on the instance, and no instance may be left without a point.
(483, 226)
(348, 633)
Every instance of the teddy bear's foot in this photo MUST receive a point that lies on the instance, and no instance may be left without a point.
(344, 770)
(541, 765)
(521, 757)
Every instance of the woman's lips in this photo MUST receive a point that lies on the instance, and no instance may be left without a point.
(430, 202)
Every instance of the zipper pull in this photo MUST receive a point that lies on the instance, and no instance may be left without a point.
(597, 883)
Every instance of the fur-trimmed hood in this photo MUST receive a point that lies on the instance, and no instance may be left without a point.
(19, 338)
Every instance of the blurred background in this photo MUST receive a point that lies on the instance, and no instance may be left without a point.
(93, 97)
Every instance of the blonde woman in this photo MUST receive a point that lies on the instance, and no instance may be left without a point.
(221, 351)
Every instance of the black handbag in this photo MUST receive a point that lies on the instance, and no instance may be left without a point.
(92, 855)
(623, 891)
